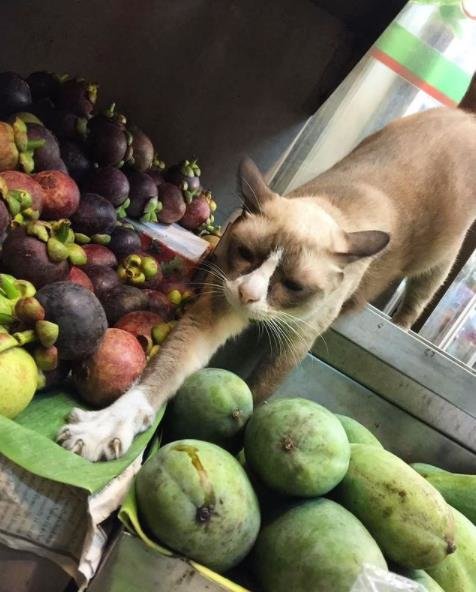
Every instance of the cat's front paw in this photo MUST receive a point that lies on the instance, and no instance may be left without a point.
(107, 434)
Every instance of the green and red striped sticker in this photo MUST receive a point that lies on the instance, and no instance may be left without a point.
(422, 65)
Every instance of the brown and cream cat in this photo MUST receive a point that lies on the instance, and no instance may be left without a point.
(398, 206)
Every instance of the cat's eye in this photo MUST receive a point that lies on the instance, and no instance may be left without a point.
(245, 253)
(292, 285)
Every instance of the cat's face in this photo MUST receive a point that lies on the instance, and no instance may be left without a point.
(272, 263)
(282, 256)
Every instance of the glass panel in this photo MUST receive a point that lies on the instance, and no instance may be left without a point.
(452, 325)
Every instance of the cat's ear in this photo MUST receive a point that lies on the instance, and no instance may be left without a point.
(364, 243)
(253, 187)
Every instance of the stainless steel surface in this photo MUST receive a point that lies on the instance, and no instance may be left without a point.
(405, 370)
(130, 566)
(24, 572)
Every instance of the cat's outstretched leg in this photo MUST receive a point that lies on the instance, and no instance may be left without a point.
(108, 433)
(292, 349)
(419, 291)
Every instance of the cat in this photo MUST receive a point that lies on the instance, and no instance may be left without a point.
(399, 205)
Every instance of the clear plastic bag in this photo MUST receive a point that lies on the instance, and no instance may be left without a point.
(373, 579)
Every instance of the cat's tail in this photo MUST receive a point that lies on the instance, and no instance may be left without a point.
(468, 102)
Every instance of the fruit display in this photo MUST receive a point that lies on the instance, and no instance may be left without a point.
(305, 445)
(118, 362)
(212, 405)
(339, 542)
(196, 498)
(72, 178)
(328, 507)
(407, 516)
(52, 124)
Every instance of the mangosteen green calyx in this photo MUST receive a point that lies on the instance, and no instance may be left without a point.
(19, 204)
(14, 148)
(137, 269)
(77, 96)
(19, 308)
(186, 175)
(11, 292)
(143, 195)
(46, 149)
(59, 239)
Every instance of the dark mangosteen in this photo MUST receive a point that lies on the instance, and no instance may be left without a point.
(142, 191)
(44, 85)
(109, 182)
(186, 176)
(122, 300)
(108, 145)
(124, 241)
(159, 303)
(157, 175)
(45, 145)
(95, 215)
(142, 150)
(79, 316)
(75, 159)
(100, 255)
(173, 204)
(103, 278)
(197, 213)
(77, 96)
(27, 257)
(15, 94)
(66, 125)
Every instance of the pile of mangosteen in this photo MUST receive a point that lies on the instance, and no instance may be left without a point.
(72, 178)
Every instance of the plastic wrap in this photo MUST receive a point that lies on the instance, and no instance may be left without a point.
(373, 579)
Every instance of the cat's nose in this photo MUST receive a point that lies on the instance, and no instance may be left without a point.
(246, 295)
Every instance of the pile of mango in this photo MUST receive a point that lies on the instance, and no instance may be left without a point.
(300, 497)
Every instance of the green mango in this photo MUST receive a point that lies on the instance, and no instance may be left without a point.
(212, 405)
(296, 447)
(421, 577)
(425, 469)
(196, 499)
(317, 545)
(356, 432)
(406, 515)
(457, 489)
(457, 573)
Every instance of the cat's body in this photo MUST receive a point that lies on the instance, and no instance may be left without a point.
(398, 206)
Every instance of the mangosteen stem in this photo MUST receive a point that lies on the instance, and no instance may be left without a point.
(24, 337)
(35, 144)
(9, 287)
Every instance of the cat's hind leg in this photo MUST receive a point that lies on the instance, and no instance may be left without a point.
(419, 291)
